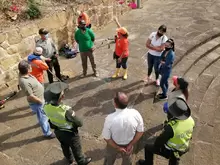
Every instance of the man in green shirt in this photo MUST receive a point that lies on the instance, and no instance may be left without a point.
(85, 38)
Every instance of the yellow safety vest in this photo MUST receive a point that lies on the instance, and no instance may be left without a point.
(183, 130)
(56, 114)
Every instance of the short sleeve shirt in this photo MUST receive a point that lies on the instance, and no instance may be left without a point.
(156, 42)
(122, 46)
(122, 125)
(31, 86)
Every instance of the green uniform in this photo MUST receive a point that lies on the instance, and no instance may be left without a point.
(66, 130)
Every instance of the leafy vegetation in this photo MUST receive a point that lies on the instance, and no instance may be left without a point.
(33, 10)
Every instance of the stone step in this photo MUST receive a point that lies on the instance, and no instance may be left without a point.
(201, 65)
(193, 57)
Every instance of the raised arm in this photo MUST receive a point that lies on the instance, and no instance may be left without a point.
(117, 23)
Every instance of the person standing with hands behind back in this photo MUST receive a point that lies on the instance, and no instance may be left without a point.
(121, 50)
(122, 129)
(85, 39)
(155, 44)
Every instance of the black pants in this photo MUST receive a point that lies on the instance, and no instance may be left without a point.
(123, 62)
(150, 150)
(70, 144)
(54, 63)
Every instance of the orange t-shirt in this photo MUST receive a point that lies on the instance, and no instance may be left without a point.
(121, 46)
(84, 17)
(38, 67)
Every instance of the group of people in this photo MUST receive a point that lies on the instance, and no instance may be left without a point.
(123, 128)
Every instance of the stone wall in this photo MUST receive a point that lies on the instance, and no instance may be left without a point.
(17, 43)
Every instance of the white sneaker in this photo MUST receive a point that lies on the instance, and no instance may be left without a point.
(157, 82)
(147, 79)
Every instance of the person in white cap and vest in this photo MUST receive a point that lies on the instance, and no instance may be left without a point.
(63, 120)
(174, 141)
(38, 64)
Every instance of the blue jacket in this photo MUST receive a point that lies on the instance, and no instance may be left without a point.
(32, 57)
(169, 59)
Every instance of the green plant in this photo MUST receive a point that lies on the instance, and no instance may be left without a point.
(33, 10)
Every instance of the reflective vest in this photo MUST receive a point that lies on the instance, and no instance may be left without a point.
(56, 114)
(183, 130)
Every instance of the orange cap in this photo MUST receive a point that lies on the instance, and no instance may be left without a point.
(122, 30)
(175, 80)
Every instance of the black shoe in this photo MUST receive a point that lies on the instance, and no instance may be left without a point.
(87, 160)
(162, 97)
(96, 74)
(141, 162)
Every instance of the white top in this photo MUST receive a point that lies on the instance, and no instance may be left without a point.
(121, 126)
(156, 42)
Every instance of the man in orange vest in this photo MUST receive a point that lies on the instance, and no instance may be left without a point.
(85, 17)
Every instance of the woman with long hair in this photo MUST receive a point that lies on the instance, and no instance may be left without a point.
(165, 67)
(180, 91)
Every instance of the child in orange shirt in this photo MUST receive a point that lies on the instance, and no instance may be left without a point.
(38, 64)
(121, 50)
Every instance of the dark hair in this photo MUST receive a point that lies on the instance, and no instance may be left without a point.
(183, 87)
(171, 41)
(121, 102)
(163, 28)
(23, 67)
(125, 35)
(43, 31)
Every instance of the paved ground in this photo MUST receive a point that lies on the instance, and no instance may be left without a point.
(194, 26)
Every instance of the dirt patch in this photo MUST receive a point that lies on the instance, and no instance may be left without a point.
(47, 8)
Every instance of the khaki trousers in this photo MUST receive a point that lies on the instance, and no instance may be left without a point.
(111, 155)
(84, 57)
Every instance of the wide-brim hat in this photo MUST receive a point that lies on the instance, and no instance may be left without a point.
(180, 109)
(53, 91)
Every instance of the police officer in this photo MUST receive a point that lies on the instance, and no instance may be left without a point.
(49, 51)
(62, 118)
(173, 142)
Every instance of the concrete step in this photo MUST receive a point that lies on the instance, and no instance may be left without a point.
(187, 61)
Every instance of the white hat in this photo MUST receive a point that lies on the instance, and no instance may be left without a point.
(38, 50)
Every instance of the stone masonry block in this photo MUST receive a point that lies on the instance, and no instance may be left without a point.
(12, 49)
(50, 23)
(3, 52)
(26, 46)
(2, 37)
(14, 37)
(28, 30)
(6, 63)
(5, 44)
(62, 16)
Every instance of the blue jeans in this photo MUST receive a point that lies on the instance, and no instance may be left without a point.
(42, 118)
(153, 61)
(164, 81)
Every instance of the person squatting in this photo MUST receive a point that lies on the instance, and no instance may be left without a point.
(124, 127)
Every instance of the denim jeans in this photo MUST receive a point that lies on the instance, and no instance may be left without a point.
(164, 81)
(153, 61)
(42, 118)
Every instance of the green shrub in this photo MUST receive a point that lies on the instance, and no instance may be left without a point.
(33, 10)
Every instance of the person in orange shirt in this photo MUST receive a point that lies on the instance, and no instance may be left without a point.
(121, 50)
(38, 64)
(85, 17)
